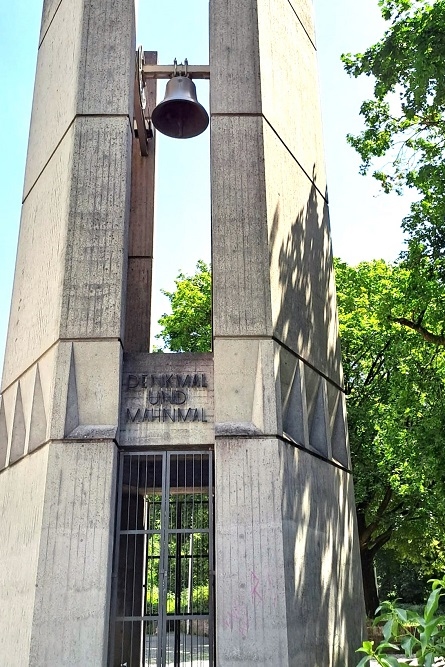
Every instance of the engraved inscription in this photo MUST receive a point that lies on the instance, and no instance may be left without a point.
(166, 415)
(165, 398)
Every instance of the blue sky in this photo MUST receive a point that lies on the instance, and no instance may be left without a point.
(365, 224)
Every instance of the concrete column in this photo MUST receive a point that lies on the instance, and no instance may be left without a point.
(59, 410)
(287, 563)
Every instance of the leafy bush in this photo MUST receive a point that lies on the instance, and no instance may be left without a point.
(200, 599)
(418, 636)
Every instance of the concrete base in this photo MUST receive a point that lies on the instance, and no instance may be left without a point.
(56, 563)
(287, 566)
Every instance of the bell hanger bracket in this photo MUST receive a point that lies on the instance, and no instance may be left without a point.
(142, 127)
(167, 71)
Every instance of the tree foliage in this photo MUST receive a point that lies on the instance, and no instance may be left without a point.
(188, 327)
(404, 135)
(394, 382)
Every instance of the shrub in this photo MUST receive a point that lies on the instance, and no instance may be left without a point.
(417, 635)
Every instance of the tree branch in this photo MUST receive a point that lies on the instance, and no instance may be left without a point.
(377, 364)
(367, 532)
(380, 541)
(430, 337)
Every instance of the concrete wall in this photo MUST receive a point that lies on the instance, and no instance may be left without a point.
(22, 491)
(72, 246)
(57, 509)
(287, 569)
(288, 578)
(321, 560)
(270, 212)
(71, 610)
(59, 409)
(71, 269)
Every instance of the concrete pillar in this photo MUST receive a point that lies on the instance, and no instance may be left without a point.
(59, 409)
(287, 568)
(287, 564)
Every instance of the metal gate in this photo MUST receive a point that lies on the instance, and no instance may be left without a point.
(163, 572)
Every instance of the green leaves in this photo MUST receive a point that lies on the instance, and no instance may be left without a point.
(404, 124)
(395, 388)
(379, 654)
(188, 327)
(420, 637)
(432, 604)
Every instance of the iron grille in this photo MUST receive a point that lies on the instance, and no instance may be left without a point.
(163, 575)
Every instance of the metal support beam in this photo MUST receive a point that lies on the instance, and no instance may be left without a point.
(166, 71)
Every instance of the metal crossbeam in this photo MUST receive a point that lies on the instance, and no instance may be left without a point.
(166, 71)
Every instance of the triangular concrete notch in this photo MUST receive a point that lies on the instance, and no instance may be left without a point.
(72, 407)
(38, 424)
(338, 438)
(295, 411)
(319, 434)
(3, 435)
(18, 429)
(258, 396)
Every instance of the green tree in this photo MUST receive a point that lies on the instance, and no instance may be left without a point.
(404, 135)
(394, 381)
(404, 140)
(188, 328)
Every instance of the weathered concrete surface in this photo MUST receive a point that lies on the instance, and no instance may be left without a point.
(57, 514)
(325, 610)
(274, 227)
(21, 512)
(304, 11)
(95, 262)
(246, 392)
(240, 259)
(34, 403)
(167, 399)
(72, 599)
(287, 568)
(61, 379)
(313, 409)
(71, 257)
(289, 85)
(140, 236)
(265, 63)
(85, 66)
(38, 281)
(304, 313)
(92, 401)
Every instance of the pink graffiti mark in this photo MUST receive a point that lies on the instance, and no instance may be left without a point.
(237, 620)
(255, 583)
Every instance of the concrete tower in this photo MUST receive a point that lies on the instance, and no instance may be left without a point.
(112, 550)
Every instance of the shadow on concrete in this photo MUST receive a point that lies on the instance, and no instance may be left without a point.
(323, 586)
(305, 318)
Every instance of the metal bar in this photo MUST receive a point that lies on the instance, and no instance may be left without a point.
(178, 584)
(212, 578)
(139, 116)
(163, 560)
(114, 575)
(188, 531)
(166, 71)
(171, 617)
(183, 524)
(140, 532)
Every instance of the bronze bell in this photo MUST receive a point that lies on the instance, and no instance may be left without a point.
(180, 115)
